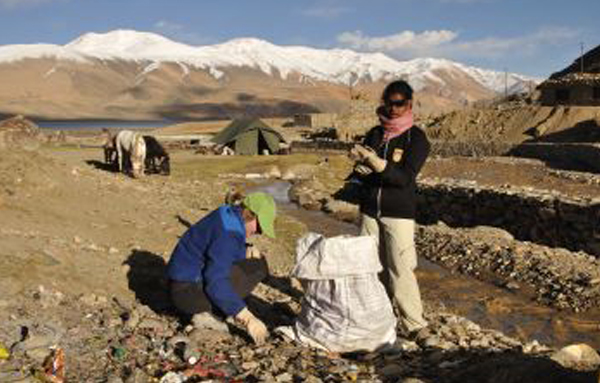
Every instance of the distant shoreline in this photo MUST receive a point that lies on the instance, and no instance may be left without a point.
(95, 125)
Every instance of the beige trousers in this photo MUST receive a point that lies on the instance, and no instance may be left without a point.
(399, 260)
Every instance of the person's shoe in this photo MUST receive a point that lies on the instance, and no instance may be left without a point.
(207, 321)
(420, 335)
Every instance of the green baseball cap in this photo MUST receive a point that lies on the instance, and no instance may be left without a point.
(263, 205)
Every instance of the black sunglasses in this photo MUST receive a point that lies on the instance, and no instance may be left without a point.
(397, 103)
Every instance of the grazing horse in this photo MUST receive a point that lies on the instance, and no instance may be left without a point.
(109, 147)
(131, 150)
(156, 152)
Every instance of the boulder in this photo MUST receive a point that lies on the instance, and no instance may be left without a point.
(577, 355)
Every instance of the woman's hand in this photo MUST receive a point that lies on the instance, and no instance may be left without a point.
(369, 157)
(360, 153)
(363, 170)
(252, 252)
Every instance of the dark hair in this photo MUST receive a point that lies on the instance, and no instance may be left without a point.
(397, 87)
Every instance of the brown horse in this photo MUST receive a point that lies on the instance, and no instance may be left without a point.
(157, 158)
(109, 147)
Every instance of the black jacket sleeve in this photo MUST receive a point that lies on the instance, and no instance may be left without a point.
(405, 172)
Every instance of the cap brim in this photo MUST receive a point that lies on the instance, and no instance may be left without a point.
(266, 226)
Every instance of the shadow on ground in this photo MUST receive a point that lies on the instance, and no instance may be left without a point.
(515, 367)
(584, 131)
(148, 280)
(284, 285)
(102, 166)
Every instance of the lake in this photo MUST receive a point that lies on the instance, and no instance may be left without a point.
(94, 125)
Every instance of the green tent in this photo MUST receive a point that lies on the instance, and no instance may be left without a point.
(249, 136)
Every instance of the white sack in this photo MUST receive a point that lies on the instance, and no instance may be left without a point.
(345, 306)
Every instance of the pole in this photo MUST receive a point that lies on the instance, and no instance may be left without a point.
(505, 83)
(581, 58)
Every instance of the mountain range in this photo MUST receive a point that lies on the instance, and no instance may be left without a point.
(133, 75)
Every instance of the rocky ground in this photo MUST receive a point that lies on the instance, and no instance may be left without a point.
(559, 277)
(83, 252)
(515, 122)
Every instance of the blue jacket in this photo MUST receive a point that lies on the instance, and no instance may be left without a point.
(206, 253)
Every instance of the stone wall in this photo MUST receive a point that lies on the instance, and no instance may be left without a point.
(315, 120)
(444, 148)
(529, 215)
(559, 277)
(578, 156)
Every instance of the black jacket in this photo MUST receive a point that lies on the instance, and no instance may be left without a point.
(392, 193)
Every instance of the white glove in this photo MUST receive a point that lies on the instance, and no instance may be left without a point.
(363, 170)
(370, 158)
(252, 252)
(254, 326)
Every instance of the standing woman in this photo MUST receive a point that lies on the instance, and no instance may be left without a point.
(388, 162)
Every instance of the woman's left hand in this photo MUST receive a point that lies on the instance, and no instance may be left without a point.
(370, 158)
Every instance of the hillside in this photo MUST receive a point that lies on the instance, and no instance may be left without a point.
(137, 75)
(514, 123)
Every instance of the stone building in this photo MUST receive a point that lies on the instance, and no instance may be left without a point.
(358, 117)
(578, 84)
(315, 120)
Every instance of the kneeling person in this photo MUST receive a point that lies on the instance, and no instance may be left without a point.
(212, 269)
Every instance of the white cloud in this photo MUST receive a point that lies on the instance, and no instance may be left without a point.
(326, 11)
(163, 25)
(179, 32)
(524, 45)
(12, 4)
(445, 43)
(406, 42)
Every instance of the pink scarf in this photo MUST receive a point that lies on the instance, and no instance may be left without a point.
(393, 127)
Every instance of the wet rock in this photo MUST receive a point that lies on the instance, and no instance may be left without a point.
(391, 370)
(577, 355)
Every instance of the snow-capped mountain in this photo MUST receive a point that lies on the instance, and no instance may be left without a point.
(146, 59)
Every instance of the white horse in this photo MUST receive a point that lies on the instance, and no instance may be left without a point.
(131, 151)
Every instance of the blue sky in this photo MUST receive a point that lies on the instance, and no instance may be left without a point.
(525, 36)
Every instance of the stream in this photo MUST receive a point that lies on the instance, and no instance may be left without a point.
(512, 312)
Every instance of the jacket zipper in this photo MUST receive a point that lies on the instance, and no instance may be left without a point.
(379, 191)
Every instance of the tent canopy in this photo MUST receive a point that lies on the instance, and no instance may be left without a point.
(249, 136)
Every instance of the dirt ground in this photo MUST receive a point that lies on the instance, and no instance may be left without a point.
(71, 225)
(86, 247)
(514, 172)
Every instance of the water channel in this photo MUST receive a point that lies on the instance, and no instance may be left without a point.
(511, 312)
